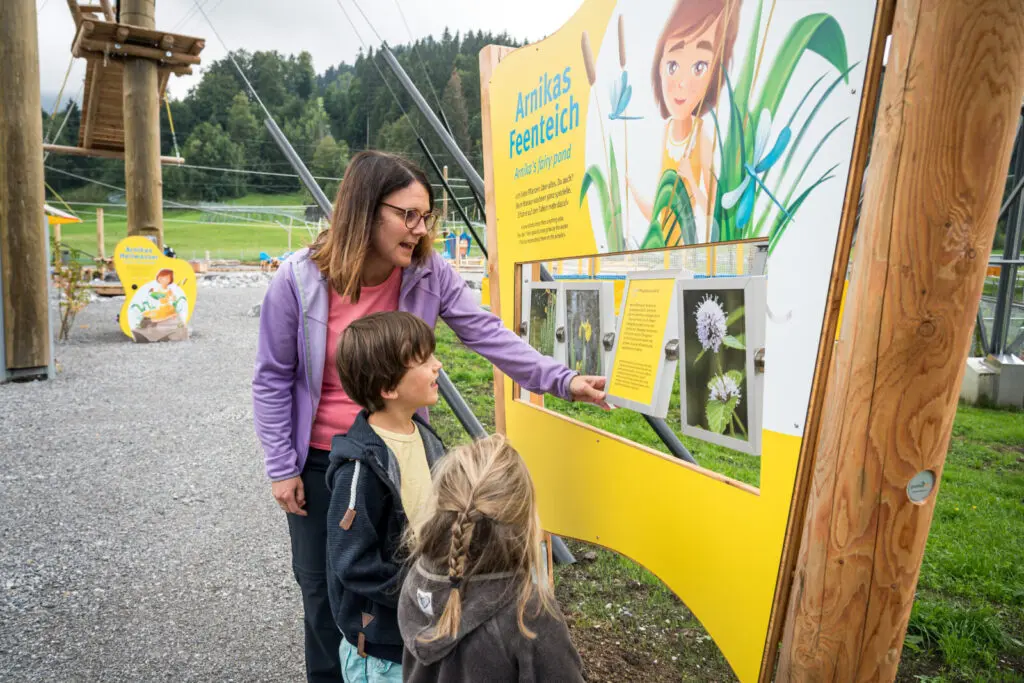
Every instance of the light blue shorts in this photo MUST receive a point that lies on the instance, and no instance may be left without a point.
(356, 669)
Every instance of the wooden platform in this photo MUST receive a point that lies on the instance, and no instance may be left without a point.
(105, 44)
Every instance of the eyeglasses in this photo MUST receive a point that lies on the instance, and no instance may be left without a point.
(413, 217)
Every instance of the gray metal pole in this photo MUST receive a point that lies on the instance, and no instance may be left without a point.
(300, 168)
(475, 181)
(1011, 252)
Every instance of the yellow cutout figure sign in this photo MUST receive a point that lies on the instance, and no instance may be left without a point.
(160, 292)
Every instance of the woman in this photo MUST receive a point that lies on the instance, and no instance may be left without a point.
(377, 255)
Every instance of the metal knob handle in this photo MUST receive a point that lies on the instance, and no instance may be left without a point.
(608, 341)
(672, 350)
(560, 334)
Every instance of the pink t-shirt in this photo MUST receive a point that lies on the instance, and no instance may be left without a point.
(337, 411)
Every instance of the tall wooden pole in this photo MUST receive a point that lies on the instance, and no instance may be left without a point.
(26, 320)
(143, 179)
(101, 252)
(950, 102)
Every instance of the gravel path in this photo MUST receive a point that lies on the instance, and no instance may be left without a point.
(138, 538)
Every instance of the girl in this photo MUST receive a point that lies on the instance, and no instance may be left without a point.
(376, 256)
(692, 54)
(476, 605)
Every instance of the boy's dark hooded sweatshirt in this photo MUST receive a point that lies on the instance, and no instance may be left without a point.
(489, 646)
(365, 523)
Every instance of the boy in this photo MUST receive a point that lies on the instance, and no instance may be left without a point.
(379, 477)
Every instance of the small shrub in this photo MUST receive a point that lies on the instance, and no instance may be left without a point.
(74, 293)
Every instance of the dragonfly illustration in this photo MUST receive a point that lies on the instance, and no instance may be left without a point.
(743, 194)
(622, 92)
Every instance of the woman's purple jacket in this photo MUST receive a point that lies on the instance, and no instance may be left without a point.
(293, 339)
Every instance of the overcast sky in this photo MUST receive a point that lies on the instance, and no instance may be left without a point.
(317, 26)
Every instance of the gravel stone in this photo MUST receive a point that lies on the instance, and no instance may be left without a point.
(139, 540)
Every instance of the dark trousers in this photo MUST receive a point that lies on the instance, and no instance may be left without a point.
(309, 563)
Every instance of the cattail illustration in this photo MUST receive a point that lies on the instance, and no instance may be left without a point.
(588, 63)
(588, 59)
(622, 41)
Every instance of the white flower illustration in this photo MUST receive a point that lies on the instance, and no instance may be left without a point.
(724, 388)
(710, 323)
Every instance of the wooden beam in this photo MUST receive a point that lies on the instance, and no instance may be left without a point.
(143, 180)
(489, 58)
(76, 13)
(140, 51)
(948, 117)
(23, 248)
(826, 345)
(108, 11)
(85, 30)
(103, 154)
(91, 114)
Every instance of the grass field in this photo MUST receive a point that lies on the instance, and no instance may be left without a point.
(968, 619)
(191, 233)
(190, 236)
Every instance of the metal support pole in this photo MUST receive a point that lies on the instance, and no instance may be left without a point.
(1011, 252)
(300, 168)
(475, 181)
(451, 193)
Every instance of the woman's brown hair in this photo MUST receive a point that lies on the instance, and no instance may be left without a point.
(483, 521)
(340, 251)
(691, 18)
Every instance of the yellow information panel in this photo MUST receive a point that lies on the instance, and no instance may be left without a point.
(641, 340)
(645, 124)
(159, 292)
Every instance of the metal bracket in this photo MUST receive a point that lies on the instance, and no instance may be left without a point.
(560, 334)
(672, 350)
(608, 341)
(759, 361)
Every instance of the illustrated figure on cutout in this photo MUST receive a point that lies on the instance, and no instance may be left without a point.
(690, 60)
(159, 310)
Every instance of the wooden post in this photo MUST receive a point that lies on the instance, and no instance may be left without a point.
(100, 248)
(143, 179)
(24, 290)
(947, 120)
(55, 233)
(489, 58)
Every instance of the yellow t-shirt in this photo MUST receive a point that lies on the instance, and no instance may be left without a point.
(415, 472)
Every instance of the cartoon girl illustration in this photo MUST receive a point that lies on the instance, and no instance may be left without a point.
(159, 310)
(690, 60)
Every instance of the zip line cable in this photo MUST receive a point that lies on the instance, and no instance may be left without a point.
(175, 204)
(373, 60)
(60, 96)
(419, 57)
(238, 68)
(368, 22)
(170, 120)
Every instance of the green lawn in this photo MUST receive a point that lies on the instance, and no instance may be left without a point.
(191, 233)
(968, 619)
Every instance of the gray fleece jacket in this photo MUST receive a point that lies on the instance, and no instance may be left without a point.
(489, 646)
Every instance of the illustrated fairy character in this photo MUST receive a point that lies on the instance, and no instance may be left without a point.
(690, 60)
(159, 310)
